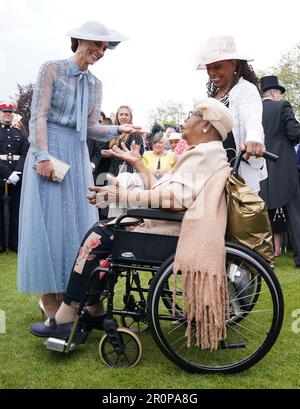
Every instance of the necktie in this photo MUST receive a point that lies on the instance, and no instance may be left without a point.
(82, 102)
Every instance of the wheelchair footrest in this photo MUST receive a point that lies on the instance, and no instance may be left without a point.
(60, 345)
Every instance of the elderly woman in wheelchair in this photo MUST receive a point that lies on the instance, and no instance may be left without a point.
(189, 296)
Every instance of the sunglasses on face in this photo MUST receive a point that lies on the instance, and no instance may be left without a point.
(6, 112)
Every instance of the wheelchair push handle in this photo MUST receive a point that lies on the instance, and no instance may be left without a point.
(270, 156)
(267, 155)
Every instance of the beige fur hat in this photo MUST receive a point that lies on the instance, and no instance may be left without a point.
(216, 113)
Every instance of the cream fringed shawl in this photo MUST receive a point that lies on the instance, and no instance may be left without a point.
(200, 257)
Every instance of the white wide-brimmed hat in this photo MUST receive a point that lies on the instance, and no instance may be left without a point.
(216, 113)
(219, 48)
(96, 31)
(174, 136)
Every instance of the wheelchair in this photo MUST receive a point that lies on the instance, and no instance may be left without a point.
(256, 304)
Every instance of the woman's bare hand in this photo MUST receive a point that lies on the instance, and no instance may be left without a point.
(106, 153)
(129, 128)
(112, 193)
(92, 197)
(46, 170)
(253, 149)
(131, 156)
(159, 173)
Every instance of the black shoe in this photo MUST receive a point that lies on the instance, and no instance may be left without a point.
(90, 322)
(54, 330)
(2, 249)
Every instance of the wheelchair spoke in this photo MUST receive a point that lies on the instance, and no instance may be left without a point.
(242, 335)
(177, 326)
(246, 328)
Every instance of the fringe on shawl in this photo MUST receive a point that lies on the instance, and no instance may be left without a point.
(206, 306)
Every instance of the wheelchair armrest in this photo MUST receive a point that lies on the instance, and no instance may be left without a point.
(153, 214)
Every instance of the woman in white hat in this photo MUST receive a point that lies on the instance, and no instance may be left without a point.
(233, 82)
(177, 144)
(195, 184)
(54, 216)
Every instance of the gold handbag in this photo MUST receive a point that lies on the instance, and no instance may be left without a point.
(248, 221)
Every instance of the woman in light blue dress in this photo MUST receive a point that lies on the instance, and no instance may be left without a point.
(54, 217)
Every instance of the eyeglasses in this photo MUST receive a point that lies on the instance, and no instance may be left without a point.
(5, 111)
(194, 113)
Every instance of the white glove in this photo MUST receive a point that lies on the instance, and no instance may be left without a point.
(14, 178)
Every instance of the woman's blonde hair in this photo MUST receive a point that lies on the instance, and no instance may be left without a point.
(123, 136)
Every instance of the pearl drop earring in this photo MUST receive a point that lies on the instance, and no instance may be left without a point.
(204, 130)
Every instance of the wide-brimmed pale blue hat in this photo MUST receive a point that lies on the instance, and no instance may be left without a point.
(96, 31)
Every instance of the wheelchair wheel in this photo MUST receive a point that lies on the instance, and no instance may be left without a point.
(138, 323)
(134, 324)
(131, 350)
(256, 315)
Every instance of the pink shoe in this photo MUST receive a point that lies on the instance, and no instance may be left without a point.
(277, 253)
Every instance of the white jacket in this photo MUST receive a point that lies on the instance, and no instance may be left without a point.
(245, 106)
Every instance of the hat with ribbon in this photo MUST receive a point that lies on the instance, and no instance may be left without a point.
(9, 106)
(96, 31)
(216, 113)
(82, 98)
(270, 82)
(219, 48)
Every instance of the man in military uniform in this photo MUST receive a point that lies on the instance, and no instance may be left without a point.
(13, 149)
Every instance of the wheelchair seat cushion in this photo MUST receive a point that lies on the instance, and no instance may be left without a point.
(142, 248)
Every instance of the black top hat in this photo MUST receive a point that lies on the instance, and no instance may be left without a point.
(270, 82)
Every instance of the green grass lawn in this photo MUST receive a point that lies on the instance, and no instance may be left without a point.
(26, 364)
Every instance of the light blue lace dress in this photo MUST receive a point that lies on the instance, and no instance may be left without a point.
(54, 217)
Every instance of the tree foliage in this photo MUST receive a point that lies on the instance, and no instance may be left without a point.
(23, 99)
(168, 112)
(288, 73)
